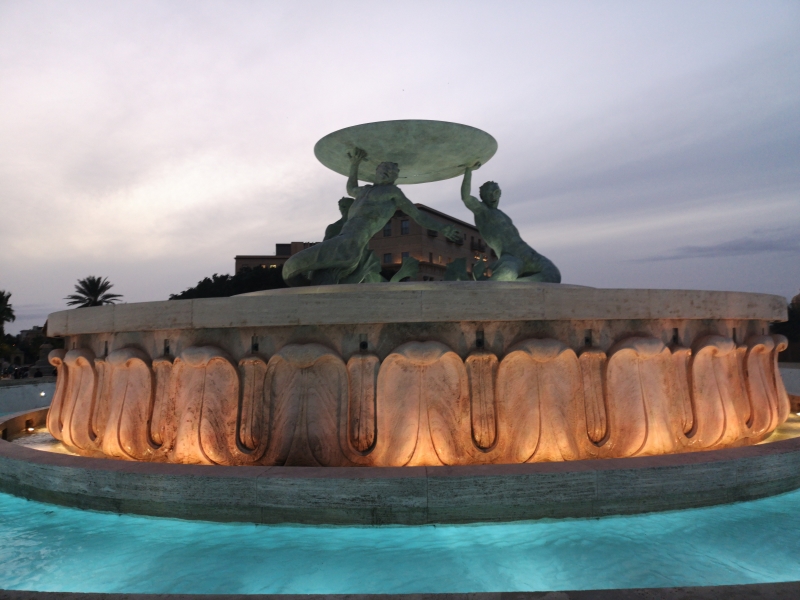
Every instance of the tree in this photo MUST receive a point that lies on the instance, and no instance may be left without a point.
(246, 280)
(6, 311)
(791, 329)
(92, 291)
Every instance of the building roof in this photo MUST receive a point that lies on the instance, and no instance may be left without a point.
(445, 215)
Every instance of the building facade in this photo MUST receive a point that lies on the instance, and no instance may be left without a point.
(270, 261)
(402, 236)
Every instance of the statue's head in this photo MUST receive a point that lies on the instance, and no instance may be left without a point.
(386, 173)
(490, 194)
(344, 205)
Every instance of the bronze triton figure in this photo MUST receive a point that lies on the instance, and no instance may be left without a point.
(342, 258)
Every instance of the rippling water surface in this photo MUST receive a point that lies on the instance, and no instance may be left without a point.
(44, 547)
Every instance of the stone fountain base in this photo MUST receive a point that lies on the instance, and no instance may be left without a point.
(419, 374)
(401, 496)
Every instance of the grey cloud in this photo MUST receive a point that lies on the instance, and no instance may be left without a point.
(679, 145)
(692, 108)
(767, 242)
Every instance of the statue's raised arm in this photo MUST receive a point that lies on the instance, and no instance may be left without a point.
(469, 200)
(352, 181)
(449, 231)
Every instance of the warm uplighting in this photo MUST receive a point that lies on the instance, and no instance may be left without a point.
(30, 430)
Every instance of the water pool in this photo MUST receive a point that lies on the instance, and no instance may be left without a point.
(49, 548)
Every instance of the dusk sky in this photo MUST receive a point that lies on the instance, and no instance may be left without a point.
(641, 144)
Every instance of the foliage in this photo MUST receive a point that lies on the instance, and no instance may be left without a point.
(246, 280)
(7, 343)
(6, 311)
(30, 347)
(92, 291)
(791, 329)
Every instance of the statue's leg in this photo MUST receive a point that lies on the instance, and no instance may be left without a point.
(408, 270)
(334, 256)
(367, 271)
(507, 268)
(457, 271)
(545, 270)
(324, 277)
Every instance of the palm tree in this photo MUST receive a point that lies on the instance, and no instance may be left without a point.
(92, 291)
(6, 312)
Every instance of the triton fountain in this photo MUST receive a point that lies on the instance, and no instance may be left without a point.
(506, 389)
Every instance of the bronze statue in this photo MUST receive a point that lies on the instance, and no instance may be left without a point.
(344, 258)
(517, 260)
(335, 229)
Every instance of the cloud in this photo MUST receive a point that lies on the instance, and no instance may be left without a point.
(151, 142)
(782, 241)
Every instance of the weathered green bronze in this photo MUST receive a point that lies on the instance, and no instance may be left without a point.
(424, 150)
(335, 229)
(344, 258)
(517, 260)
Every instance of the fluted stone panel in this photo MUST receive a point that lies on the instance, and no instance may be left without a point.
(422, 404)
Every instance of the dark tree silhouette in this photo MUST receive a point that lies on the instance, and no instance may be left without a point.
(6, 311)
(246, 280)
(92, 291)
(791, 329)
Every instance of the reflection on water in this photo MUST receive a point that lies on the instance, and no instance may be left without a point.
(40, 439)
(44, 547)
(789, 429)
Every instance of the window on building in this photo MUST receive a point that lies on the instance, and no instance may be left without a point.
(430, 257)
(387, 229)
(404, 227)
(387, 258)
(440, 259)
(404, 254)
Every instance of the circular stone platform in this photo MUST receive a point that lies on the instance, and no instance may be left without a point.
(419, 374)
(410, 496)
(425, 150)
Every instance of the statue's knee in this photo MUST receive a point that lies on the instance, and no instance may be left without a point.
(504, 273)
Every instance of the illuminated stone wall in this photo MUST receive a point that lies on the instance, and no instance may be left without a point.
(420, 403)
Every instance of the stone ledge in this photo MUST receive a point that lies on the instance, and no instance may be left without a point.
(441, 301)
(765, 591)
(414, 495)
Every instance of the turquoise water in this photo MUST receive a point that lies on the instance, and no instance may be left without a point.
(47, 548)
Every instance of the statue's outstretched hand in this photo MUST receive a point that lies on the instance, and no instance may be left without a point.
(357, 155)
(451, 233)
(475, 166)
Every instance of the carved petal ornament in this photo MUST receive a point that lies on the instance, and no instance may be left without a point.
(422, 405)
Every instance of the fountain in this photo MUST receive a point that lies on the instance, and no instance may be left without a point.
(502, 397)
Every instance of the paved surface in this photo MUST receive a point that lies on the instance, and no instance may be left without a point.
(25, 394)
